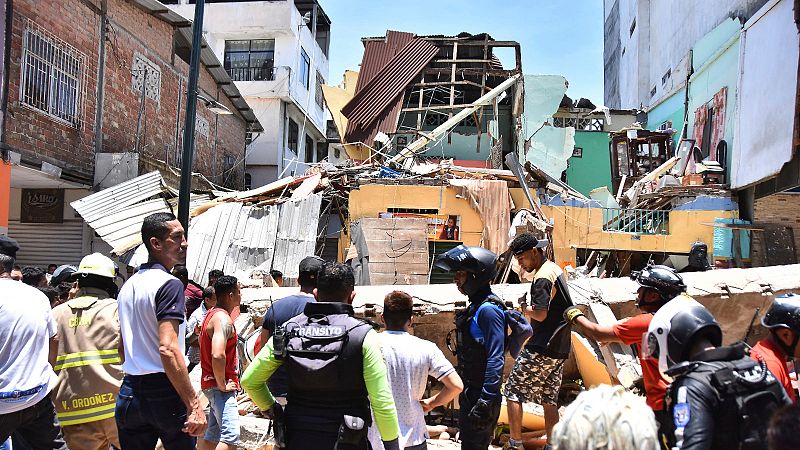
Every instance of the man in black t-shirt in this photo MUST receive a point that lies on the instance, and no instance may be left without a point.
(536, 376)
(286, 308)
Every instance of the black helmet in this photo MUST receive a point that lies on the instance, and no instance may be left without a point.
(62, 274)
(662, 279)
(481, 264)
(674, 328)
(784, 313)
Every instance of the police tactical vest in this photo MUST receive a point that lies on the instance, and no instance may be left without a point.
(89, 365)
(471, 354)
(324, 359)
(747, 399)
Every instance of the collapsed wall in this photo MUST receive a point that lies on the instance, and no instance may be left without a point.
(736, 297)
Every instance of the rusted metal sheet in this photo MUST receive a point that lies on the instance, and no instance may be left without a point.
(388, 66)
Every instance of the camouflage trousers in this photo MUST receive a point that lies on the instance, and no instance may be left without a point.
(535, 378)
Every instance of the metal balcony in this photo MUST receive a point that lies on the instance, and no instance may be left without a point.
(637, 221)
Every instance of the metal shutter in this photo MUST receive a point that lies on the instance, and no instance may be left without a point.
(41, 244)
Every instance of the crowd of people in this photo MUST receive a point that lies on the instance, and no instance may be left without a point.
(88, 361)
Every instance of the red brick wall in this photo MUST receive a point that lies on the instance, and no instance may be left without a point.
(131, 31)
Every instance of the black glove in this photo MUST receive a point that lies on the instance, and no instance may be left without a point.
(480, 415)
(391, 445)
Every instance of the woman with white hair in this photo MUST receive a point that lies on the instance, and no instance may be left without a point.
(608, 418)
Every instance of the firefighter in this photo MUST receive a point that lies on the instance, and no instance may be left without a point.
(89, 361)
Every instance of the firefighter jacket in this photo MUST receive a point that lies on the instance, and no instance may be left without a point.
(89, 364)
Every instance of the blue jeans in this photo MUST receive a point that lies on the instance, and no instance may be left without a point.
(148, 409)
(223, 417)
(36, 425)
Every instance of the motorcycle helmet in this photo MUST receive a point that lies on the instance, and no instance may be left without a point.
(675, 327)
(662, 279)
(479, 263)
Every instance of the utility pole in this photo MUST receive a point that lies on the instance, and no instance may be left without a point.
(191, 114)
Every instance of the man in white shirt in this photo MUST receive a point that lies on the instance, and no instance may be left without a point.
(27, 352)
(409, 362)
(156, 399)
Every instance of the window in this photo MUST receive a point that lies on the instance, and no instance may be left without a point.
(305, 67)
(291, 139)
(309, 149)
(52, 75)
(250, 60)
(653, 91)
(666, 76)
(318, 95)
(633, 27)
(322, 151)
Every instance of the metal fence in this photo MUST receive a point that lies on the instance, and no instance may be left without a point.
(639, 221)
(251, 73)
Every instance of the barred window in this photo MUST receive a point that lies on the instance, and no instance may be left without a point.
(318, 95)
(53, 75)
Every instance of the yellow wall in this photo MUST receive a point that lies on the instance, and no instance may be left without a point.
(573, 228)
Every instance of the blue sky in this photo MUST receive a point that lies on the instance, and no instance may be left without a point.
(563, 37)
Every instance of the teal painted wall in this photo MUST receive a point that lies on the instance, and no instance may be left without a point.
(462, 142)
(593, 169)
(673, 108)
(715, 59)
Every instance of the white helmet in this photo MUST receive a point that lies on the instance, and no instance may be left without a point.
(674, 327)
(97, 264)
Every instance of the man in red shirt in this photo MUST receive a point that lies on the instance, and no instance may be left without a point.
(220, 365)
(783, 322)
(657, 286)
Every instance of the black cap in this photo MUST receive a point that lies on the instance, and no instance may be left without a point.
(311, 264)
(8, 246)
(526, 241)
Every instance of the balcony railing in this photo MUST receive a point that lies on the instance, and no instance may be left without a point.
(251, 73)
(638, 221)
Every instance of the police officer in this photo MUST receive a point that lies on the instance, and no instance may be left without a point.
(783, 322)
(89, 361)
(657, 285)
(720, 397)
(335, 370)
(480, 336)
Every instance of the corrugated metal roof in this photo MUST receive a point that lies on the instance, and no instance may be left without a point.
(116, 213)
(297, 233)
(377, 55)
(239, 239)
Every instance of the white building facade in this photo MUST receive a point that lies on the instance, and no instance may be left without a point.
(278, 62)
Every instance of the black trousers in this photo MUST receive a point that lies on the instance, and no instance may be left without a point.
(36, 425)
(313, 428)
(475, 436)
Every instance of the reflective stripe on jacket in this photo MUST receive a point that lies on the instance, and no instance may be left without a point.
(89, 362)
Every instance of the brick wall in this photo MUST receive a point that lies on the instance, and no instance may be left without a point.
(780, 209)
(132, 35)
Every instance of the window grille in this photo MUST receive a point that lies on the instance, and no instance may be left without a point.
(53, 75)
(318, 94)
(140, 68)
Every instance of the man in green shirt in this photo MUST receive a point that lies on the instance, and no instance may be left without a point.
(336, 373)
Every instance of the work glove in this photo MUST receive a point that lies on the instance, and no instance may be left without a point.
(572, 313)
(480, 414)
(391, 445)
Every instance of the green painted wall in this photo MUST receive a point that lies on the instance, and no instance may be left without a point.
(672, 109)
(593, 169)
(715, 59)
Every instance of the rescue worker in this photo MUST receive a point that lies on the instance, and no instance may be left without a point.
(783, 322)
(336, 373)
(89, 361)
(480, 341)
(720, 397)
(657, 286)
